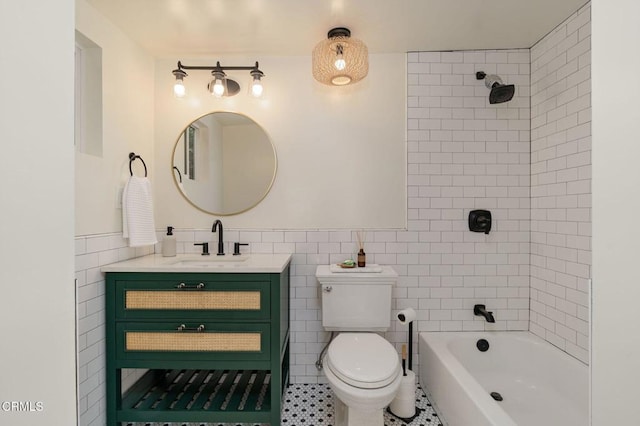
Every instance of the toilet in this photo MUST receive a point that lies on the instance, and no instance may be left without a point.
(362, 368)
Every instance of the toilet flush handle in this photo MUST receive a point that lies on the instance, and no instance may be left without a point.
(327, 289)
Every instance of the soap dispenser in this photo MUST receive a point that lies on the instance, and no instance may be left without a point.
(169, 243)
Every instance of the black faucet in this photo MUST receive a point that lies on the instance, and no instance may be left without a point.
(482, 310)
(236, 248)
(205, 248)
(217, 227)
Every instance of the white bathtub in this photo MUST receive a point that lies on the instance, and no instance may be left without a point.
(539, 383)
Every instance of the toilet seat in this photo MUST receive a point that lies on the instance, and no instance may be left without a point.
(363, 360)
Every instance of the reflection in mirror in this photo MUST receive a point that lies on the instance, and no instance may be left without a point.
(224, 163)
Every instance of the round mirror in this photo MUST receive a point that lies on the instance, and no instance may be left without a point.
(224, 163)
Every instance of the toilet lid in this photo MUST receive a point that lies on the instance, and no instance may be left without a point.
(363, 360)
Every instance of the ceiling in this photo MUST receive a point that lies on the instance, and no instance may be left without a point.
(201, 28)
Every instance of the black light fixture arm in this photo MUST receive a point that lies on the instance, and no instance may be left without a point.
(218, 67)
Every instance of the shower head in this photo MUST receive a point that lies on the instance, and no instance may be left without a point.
(499, 92)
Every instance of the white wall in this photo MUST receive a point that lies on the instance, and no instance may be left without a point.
(615, 359)
(37, 304)
(127, 82)
(336, 146)
(127, 77)
(561, 185)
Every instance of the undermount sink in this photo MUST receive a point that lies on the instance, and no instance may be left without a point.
(212, 261)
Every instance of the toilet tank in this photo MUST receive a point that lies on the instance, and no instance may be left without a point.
(356, 301)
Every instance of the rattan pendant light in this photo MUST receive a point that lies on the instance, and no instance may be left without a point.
(340, 59)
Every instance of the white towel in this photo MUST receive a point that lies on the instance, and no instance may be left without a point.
(137, 213)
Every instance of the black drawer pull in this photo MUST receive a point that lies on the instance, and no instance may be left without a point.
(183, 286)
(198, 329)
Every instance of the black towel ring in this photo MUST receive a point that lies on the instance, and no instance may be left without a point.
(179, 174)
(132, 157)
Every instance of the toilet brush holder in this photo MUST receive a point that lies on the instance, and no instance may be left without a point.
(404, 404)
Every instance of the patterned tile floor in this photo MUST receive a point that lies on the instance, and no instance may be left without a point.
(312, 405)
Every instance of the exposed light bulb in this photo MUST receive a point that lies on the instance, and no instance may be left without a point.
(256, 84)
(218, 88)
(256, 88)
(178, 89)
(340, 63)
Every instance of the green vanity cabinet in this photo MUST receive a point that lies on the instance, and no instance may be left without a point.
(215, 346)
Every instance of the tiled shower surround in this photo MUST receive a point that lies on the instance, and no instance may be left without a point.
(464, 154)
(561, 185)
(528, 161)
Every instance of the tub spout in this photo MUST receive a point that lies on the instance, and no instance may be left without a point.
(482, 310)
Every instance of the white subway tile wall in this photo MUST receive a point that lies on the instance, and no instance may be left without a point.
(93, 252)
(465, 154)
(561, 185)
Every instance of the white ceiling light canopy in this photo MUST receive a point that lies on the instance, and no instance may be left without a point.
(340, 59)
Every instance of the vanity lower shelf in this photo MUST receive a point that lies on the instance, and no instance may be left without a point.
(199, 396)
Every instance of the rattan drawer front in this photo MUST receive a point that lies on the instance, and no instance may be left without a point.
(192, 342)
(190, 300)
(182, 296)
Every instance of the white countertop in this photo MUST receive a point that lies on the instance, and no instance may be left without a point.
(251, 263)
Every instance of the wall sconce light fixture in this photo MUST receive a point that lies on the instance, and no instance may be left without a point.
(340, 59)
(220, 85)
